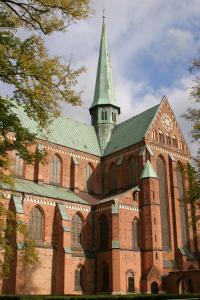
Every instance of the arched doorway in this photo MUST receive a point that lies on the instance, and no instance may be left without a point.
(130, 283)
(154, 288)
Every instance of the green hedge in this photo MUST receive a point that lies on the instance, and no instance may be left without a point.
(100, 297)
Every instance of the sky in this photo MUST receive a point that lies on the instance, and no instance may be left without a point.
(151, 43)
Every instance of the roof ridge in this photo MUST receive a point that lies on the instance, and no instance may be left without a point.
(157, 105)
(68, 118)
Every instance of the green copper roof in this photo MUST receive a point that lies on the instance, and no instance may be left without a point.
(104, 90)
(148, 171)
(131, 131)
(66, 132)
(44, 190)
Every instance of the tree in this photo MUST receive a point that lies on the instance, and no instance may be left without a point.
(193, 170)
(193, 115)
(38, 83)
(9, 227)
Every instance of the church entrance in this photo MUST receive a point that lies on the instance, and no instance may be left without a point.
(131, 283)
(154, 288)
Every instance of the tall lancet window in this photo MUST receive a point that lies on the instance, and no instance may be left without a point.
(36, 224)
(18, 165)
(77, 231)
(182, 205)
(135, 235)
(88, 178)
(55, 170)
(113, 178)
(132, 171)
(164, 206)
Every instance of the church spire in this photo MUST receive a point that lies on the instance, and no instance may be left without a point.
(104, 89)
(104, 109)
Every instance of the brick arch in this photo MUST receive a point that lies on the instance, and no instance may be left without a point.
(37, 223)
(56, 170)
(88, 176)
(77, 230)
(161, 167)
(130, 281)
(135, 233)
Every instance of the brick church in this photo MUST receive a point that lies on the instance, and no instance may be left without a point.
(105, 210)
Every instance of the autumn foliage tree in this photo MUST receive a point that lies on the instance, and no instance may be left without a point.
(36, 82)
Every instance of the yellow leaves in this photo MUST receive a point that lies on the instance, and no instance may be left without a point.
(45, 15)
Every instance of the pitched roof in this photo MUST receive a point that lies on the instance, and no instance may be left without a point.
(131, 131)
(80, 136)
(104, 90)
(66, 132)
(44, 190)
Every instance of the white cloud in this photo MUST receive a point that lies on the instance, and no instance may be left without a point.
(163, 30)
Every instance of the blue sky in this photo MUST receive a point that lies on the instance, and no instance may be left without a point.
(151, 42)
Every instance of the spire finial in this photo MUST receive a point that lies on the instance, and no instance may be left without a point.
(104, 14)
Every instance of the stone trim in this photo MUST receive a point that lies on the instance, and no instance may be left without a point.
(169, 152)
(129, 207)
(68, 152)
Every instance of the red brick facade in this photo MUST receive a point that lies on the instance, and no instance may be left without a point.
(122, 242)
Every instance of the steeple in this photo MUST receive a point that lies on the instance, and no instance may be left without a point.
(104, 109)
(104, 89)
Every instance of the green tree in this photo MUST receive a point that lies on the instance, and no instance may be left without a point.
(9, 227)
(193, 171)
(38, 83)
(193, 115)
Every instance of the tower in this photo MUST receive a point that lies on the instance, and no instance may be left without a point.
(152, 260)
(104, 109)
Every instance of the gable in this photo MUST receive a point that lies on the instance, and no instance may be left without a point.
(164, 123)
(131, 131)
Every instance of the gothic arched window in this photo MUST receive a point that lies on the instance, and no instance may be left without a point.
(88, 178)
(164, 206)
(174, 142)
(105, 277)
(103, 232)
(161, 137)
(132, 171)
(168, 139)
(182, 205)
(113, 177)
(154, 134)
(18, 165)
(55, 170)
(77, 230)
(36, 224)
(105, 115)
(135, 236)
